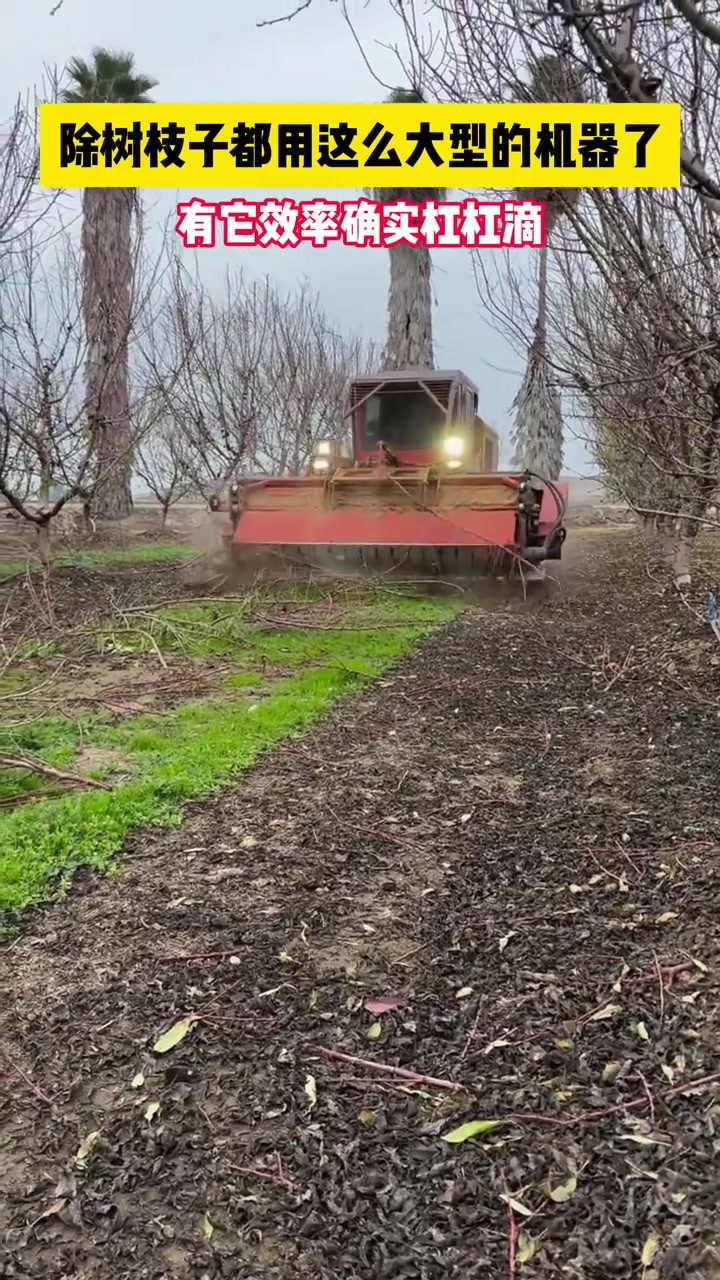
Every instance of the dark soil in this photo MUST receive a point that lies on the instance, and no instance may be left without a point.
(517, 830)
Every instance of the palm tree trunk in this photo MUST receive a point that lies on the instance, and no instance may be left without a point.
(107, 301)
(540, 336)
(409, 332)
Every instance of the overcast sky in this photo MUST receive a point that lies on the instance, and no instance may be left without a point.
(214, 51)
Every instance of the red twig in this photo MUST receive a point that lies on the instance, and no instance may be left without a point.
(632, 1105)
(202, 955)
(605, 870)
(471, 1033)
(648, 1093)
(279, 1178)
(373, 831)
(35, 1089)
(415, 1076)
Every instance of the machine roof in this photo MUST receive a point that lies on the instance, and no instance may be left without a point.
(427, 375)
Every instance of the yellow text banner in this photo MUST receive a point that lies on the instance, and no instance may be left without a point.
(320, 145)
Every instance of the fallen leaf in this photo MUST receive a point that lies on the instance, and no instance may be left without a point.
(374, 1031)
(173, 1037)
(85, 1148)
(366, 1117)
(690, 999)
(313, 999)
(152, 1110)
(666, 916)
(496, 1044)
(642, 1140)
(576, 888)
(642, 1031)
(650, 1248)
(607, 1011)
(525, 1248)
(504, 941)
(286, 957)
(471, 1130)
(517, 1206)
(248, 842)
(57, 1206)
(564, 1190)
(384, 1004)
(311, 1091)
(207, 1228)
(610, 1070)
(463, 993)
(137, 1081)
(699, 965)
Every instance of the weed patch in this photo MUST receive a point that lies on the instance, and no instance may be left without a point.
(155, 763)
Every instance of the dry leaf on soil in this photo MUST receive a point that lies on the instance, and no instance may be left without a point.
(650, 1248)
(517, 1206)
(471, 1130)
(385, 1004)
(173, 1037)
(525, 1248)
(85, 1148)
(564, 1191)
(607, 1011)
(311, 1091)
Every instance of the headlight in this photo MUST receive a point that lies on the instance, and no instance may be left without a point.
(453, 464)
(320, 464)
(453, 446)
(324, 448)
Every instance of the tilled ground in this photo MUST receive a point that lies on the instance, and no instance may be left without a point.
(514, 840)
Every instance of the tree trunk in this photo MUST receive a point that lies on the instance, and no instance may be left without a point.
(538, 430)
(683, 548)
(107, 302)
(409, 331)
(44, 552)
(540, 337)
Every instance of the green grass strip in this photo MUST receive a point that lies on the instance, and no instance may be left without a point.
(194, 750)
(107, 555)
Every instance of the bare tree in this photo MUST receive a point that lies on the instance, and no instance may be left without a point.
(305, 382)
(162, 462)
(250, 379)
(206, 366)
(24, 206)
(632, 334)
(45, 450)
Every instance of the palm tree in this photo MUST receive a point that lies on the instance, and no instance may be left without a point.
(537, 432)
(107, 253)
(409, 342)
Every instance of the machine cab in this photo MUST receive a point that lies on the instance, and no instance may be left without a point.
(421, 418)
